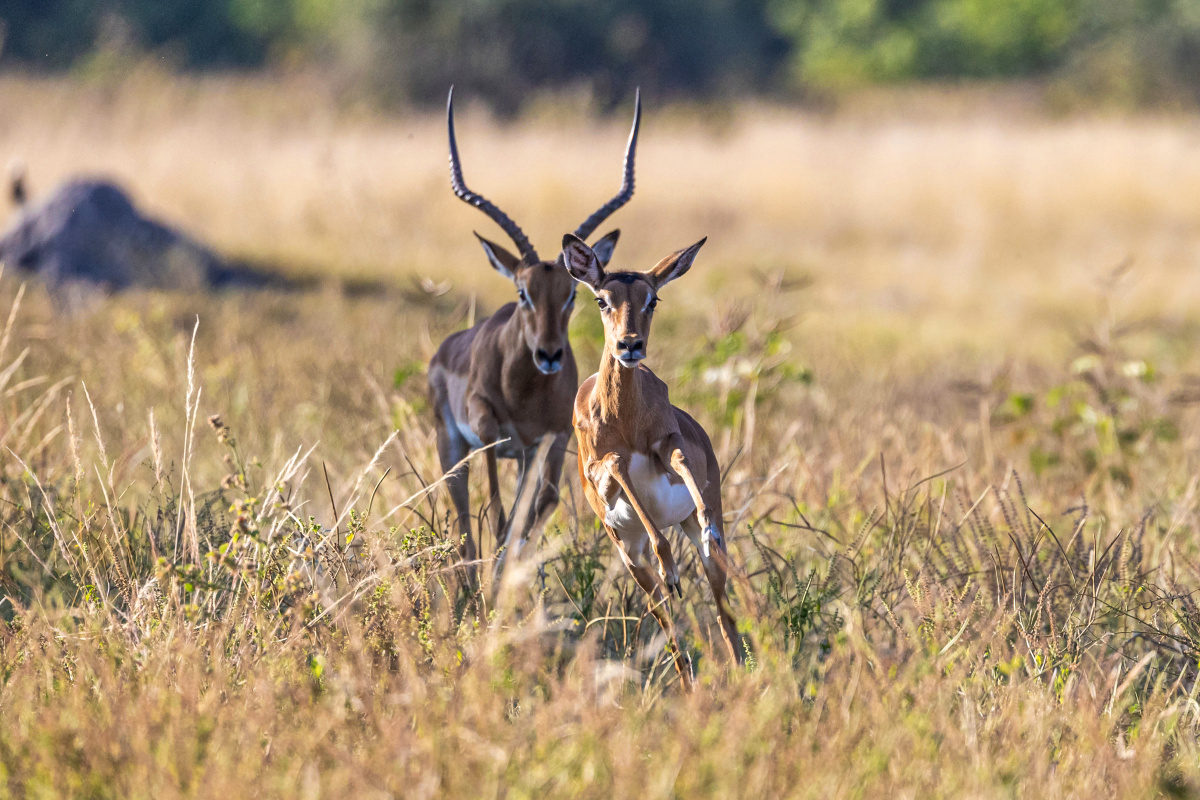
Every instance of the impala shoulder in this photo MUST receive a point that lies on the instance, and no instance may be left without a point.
(455, 351)
(585, 389)
(689, 427)
(653, 387)
(485, 332)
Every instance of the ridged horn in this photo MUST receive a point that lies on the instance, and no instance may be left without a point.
(591, 223)
(528, 254)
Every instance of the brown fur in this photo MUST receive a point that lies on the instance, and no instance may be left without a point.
(508, 382)
(623, 413)
(487, 378)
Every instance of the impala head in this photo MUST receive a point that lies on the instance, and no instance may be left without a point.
(627, 299)
(545, 290)
(545, 299)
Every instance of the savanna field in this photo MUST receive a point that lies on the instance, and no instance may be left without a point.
(945, 350)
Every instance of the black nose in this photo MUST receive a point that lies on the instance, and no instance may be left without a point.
(549, 358)
(630, 345)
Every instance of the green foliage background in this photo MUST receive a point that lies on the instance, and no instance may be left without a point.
(1125, 51)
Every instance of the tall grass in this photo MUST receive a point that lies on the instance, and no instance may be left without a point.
(966, 564)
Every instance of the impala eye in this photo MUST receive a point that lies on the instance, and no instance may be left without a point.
(652, 304)
(603, 305)
(523, 297)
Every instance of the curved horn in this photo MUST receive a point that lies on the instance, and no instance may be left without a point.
(479, 201)
(591, 223)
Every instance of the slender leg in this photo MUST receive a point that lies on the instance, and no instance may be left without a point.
(483, 423)
(523, 461)
(714, 570)
(670, 452)
(547, 487)
(452, 448)
(514, 543)
(619, 471)
(658, 607)
(495, 508)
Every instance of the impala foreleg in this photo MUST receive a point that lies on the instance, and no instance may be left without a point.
(714, 569)
(598, 472)
(670, 452)
(495, 508)
(657, 607)
(529, 515)
(618, 470)
(548, 480)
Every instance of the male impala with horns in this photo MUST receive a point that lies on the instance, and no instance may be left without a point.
(509, 382)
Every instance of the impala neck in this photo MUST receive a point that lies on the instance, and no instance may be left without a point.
(619, 388)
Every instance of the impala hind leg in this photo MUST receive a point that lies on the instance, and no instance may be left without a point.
(658, 607)
(713, 556)
(452, 448)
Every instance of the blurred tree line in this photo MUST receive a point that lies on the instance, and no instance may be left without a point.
(1125, 51)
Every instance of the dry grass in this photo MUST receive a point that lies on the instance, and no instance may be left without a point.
(902, 215)
(885, 297)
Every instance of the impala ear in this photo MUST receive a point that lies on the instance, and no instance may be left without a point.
(582, 262)
(604, 246)
(675, 265)
(501, 260)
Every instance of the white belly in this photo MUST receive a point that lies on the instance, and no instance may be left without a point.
(666, 503)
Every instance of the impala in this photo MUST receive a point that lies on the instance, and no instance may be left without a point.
(510, 380)
(646, 465)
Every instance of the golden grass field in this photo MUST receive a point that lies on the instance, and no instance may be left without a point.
(943, 346)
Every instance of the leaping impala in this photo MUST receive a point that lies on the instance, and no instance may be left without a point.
(512, 378)
(646, 465)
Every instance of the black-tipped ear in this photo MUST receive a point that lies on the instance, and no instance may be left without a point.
(581, 261)
(501, 260)
(604, 246)
(675, 265)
